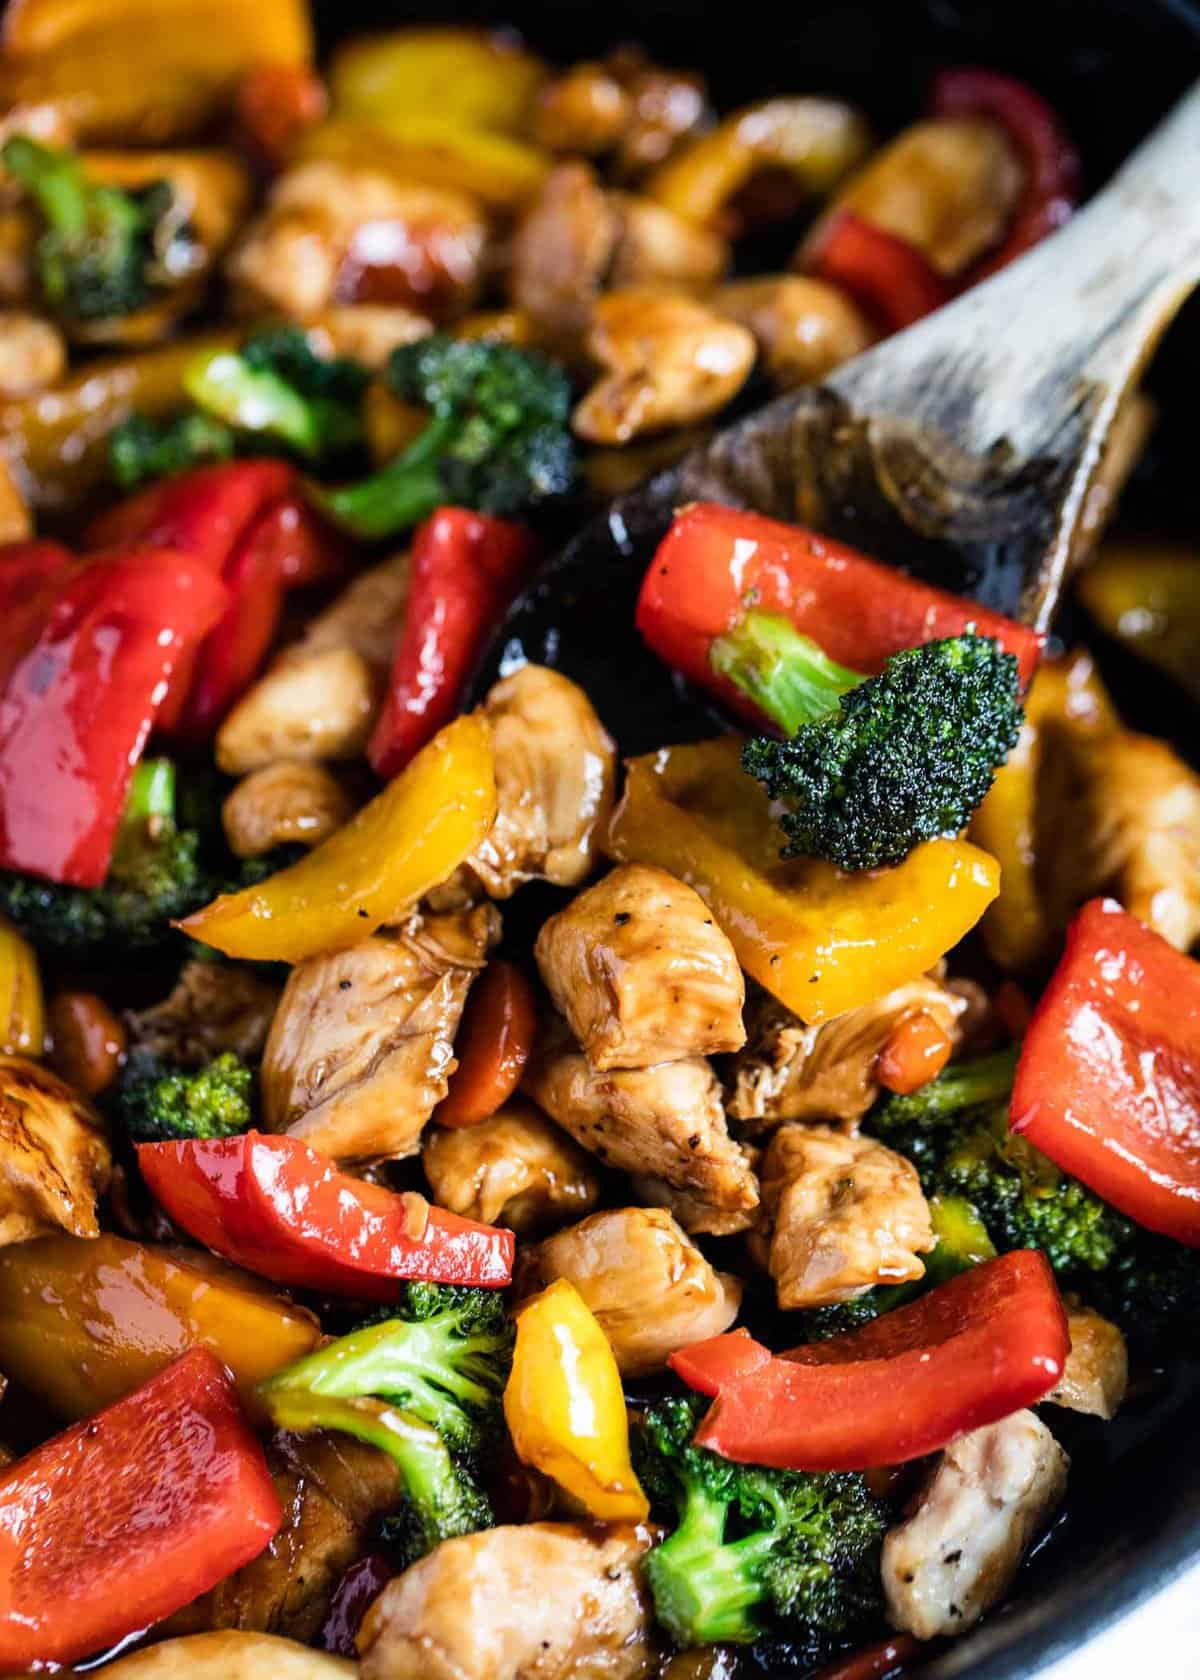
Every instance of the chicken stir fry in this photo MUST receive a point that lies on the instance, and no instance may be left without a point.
(476, 1204)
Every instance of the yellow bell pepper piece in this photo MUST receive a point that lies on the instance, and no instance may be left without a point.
(22, 1009)
(405, 842)
(500, 172)
(85, 1320)
(817, 140)
(56, 441)
(819, 940)
(1065, 695)
(144, 71)
(1146, 593)
(464, 76)
(565, 1407)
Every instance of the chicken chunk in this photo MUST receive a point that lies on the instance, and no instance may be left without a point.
(333, 233)
(55, 1160)
(804, 327)
(992, 1494)
(666, 1122)
(1134, 807)
(666, 360)
(642, 972)
(362, 1044)
(212, 1007)
(539, 1601)
(283, 804)
(516, 1169)
(230, 1655)
(697, 1215)
(1097, 1368)
(839, 1214)
(331, 1488)
(626, 105)
(651, 1289)
(555, 767)
(33, 353)
(788, 1071)
(319, 699)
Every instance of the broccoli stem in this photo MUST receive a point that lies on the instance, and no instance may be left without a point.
(53, 179)
(149, 815)
(399, 495)
(785, 673)
(963, 1085)
(430, 1478)
(706, 1590)
(253, 399)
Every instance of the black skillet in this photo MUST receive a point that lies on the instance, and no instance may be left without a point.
(1112, 67)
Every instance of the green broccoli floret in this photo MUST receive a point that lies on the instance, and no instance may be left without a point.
(140, 449)
(160, 872)
(424, 1387)
(105, 251)
(277, 388)
(873, 766)
(753, 1547)
(498, 438)
(955, 1132)
(156, 1104)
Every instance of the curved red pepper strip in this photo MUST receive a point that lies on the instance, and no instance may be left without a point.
(130, 1515)
(273, 1205)
(969, 1352)
(715, 560)
(466, 568)
(888, 278)
(1050, 161)
(721, 1361)
(1108, 1085)
(203, 512)
(84, 670)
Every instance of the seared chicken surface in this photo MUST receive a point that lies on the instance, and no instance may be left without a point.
(515, 1169)
(544, 1601)
(362, 1043)
(1096, 1373)
(665, 1121)
(788, 1071)
(555, 767)
(650, 1287)
(697, 1215)
(55, 1160)
(642, 972)
(839, 1214)
(212, 1007)
(991, 1495)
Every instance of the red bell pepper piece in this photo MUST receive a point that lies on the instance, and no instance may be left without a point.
(204, 512)
(971, 1351)
(890, 280)
(1108, 1085)
(92, 659)
(720, 1361)
(26, 568)
(275, 1206)
(130, 1515)
(1050, 161)
(466, 568)
(715, 562)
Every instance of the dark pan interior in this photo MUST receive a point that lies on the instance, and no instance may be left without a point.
(1112, 67)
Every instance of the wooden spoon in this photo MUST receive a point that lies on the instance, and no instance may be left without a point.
(962, 449)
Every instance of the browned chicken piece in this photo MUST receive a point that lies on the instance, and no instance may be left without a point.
(555, 768)
(212, 1007)
(839, 1214)
(788, 1071)
(33, 353)
(55, 1161)
(362, 1044)
(579, 239)
(331, 1488)
(666, 360)
(1097, 1369)
(366, 332)
(651, 1289)
(538, 1601)
(1133, 808)
(991, 1495)
(319, 699)
(642, 972)
(804, 328)
(16, 521)
(665, 1122)
(626, 107)
(283, 804)
(515, 1169)
(947, 186)
(335, 233)
(698, 1216)
(231, 1654)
